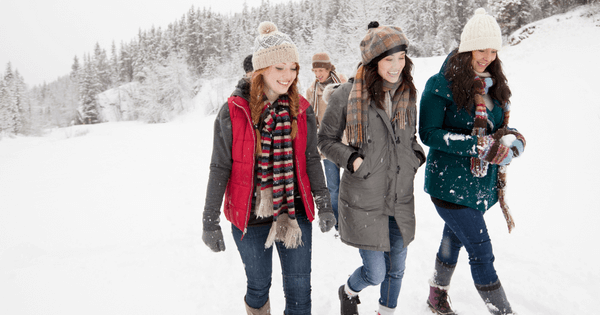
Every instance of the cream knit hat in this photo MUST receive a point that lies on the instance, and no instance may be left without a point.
(481, 32)
(272, 47)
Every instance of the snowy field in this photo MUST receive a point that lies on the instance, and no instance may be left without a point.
(106, 219)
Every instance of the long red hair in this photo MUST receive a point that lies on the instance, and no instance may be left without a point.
(257, 101)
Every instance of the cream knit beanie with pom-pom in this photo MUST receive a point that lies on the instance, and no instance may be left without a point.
(481, 32)
(272, 47)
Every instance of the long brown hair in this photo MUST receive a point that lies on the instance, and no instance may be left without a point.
(460, 73)
(257, 99)
(374, 81)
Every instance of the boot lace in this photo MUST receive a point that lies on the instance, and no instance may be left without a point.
(443, 299)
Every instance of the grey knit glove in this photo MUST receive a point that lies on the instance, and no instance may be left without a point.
(326, 221)
(211, 230)
(326, 217)
(214, 240)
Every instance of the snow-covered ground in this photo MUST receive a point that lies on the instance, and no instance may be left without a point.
(106, 219)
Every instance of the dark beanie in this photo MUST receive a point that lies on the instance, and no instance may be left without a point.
(248, 64)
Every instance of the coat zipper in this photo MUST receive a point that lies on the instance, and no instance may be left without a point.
(302, 189)
(253, 162)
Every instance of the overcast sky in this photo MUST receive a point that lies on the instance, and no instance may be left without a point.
(41, 37)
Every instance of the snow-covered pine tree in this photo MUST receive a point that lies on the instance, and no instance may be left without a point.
(10, 116)
(89, 87)
(115, 76)
(20, 90)
(125, 63)
(193, 40)
(102, 68)
(512, 14)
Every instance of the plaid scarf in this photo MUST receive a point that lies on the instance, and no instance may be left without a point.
(479, 167)
(276, 174)
(404, 109)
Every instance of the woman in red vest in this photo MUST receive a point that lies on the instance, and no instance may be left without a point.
(266, 164)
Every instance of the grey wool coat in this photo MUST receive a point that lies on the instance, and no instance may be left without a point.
(383, 185)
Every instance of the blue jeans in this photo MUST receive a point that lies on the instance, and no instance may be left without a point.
(332, 173)
(385, 268)
(466, 227)
(295, 267)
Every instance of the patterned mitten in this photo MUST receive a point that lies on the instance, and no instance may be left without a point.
(491, 149)
(515, 141)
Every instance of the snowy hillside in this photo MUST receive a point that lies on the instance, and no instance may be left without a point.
(106, 219)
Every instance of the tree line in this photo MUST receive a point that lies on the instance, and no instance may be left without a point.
(162, 67)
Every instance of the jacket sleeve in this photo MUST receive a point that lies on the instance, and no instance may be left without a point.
(220, 170)
(314, 168)
(431, 125)
(419, 152)
(332, 128)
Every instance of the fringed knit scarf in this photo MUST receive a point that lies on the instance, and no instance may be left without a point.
(276, 175)
(479, 167)
(333, 78)
(404, 109)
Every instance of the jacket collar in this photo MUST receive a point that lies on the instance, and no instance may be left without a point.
(442, 86)
(242, 89)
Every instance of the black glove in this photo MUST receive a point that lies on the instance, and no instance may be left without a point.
(214, 240)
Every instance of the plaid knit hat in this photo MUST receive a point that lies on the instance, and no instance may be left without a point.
(380, 40)
(321, 60)
(481, 32)
(272, 47)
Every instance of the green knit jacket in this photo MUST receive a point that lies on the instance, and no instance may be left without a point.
(447, 133)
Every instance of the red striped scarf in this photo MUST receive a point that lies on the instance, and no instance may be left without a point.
(276, 175)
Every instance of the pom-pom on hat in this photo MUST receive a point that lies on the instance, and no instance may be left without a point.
(380, 40)
(272, 47)
(481, 32)
(321, 60)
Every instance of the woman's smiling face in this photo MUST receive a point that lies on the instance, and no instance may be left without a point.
(390, 67)
(278, 78)
(482, 58)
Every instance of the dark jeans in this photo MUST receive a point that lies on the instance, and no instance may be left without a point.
(295, 266)
(466, 227)
(385, 268)
(332, 173)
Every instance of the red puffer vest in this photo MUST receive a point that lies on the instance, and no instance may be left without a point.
(238, 196)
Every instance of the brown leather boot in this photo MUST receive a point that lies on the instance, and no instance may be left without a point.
(264, 310)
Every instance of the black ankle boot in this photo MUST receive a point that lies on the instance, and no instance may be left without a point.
(348, 304)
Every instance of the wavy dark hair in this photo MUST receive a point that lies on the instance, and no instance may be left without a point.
(374, 81)
(257, 101)
(459, 72)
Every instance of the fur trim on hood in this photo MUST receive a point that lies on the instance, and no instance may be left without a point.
(329, 90)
